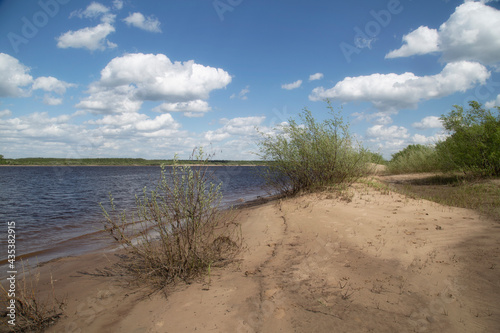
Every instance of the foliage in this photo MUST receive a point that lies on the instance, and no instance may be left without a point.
(474, 144)
(311, 155)
(414, 159)
(376, 158)
(179, 230)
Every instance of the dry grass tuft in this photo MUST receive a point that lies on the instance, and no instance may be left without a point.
(30, 312)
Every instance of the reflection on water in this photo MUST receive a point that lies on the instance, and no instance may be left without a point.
(53, 207)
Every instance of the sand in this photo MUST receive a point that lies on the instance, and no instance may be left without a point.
(370, 261)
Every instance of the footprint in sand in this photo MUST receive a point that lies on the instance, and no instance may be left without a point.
(279, 313)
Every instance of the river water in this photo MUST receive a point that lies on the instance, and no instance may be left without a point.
(56, 209)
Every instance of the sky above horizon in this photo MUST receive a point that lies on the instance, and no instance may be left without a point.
(149, 79)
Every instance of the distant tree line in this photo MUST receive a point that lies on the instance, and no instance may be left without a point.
(111, 161)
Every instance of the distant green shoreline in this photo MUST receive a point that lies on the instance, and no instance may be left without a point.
(41, 161)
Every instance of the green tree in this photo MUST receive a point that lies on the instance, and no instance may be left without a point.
(474, 142)
(311, 155)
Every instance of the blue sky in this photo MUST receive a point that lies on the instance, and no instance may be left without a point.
(130, 78)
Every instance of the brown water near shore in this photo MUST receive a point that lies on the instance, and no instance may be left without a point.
(86, 243)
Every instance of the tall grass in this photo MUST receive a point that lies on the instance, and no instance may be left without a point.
(179, 229)
(311, 155)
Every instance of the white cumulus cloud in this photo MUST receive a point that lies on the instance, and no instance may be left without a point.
(37, 125)
(387, 139)
(470, 33)
(241, 126)
(51, 100)
(382, 132)
(396, 91)
(129, 80)
(49, 83)
(109, 100)
(91, 38)
(5, 113)
(428, 140)
(127, 134)
(190, 109)
(157, 123)
(493, 103)
(428, 122)
(136, 125)
(145, 23)
(14, 76)
(378, 118)
(293, 85)
(421, 41)
(314, 77)
(118, 4)
(94, 10)
(123, 120)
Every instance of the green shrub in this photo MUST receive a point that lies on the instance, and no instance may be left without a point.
(474, 144)
(179, 229)
(414, 159)
(311, 155)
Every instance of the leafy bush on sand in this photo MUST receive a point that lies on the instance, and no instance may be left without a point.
(179, 229)
(311, 156)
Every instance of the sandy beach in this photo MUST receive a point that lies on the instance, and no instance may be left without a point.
(369, 261)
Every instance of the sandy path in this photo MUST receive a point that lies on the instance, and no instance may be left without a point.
(370, 262)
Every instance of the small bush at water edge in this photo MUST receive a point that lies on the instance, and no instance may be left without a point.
(179, 230)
